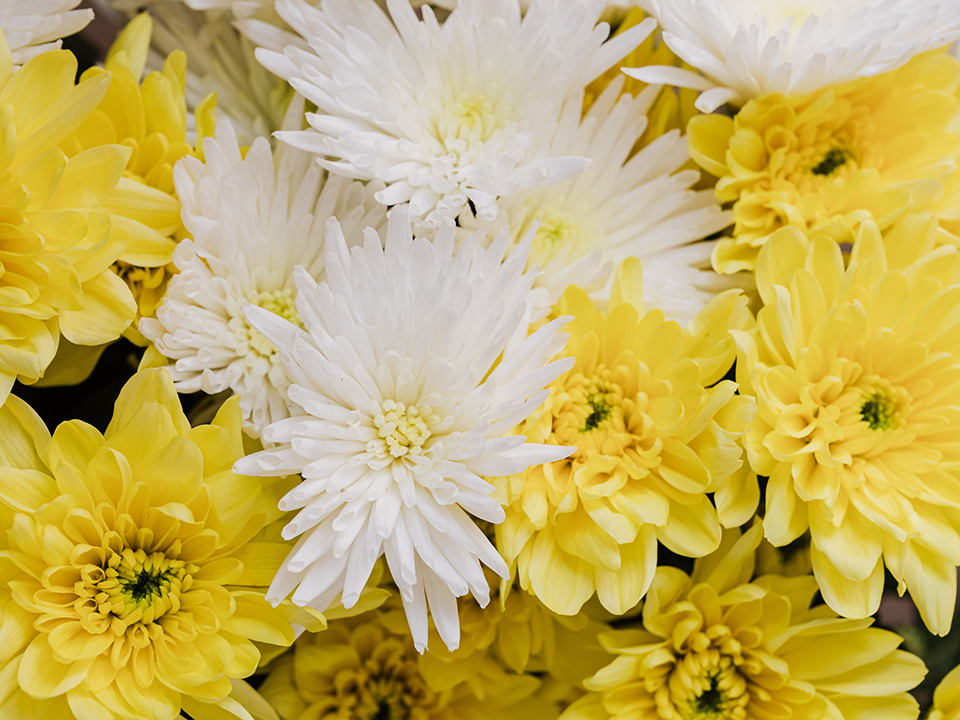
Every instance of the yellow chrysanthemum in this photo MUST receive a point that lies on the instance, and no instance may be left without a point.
(151, 119)
(654, 431)
(134, 563)
(856, 369)
(715, 646)
(519, 633)
(946, 698)
(368, 667)
(869, 149)
(56, 240)
(673, 107)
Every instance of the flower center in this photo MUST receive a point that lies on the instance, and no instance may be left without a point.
(599, 411)
(833, 159)
(879, 411)
(402, 429)
(137, 587)
(279, 302)
(705, 684)
(468, 120)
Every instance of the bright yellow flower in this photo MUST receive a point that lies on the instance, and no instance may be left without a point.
(655, 432)
(56, 241)
(869, 149)
(151, 119)
(856, 369)
(715, 646)
(946, 698)
(673, 107)
(368, 667)
(134, 563)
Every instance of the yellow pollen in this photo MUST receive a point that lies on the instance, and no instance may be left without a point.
(470, 119)
(279, 302)
(403, 430)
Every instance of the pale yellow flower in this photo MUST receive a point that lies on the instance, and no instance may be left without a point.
(946, 698)
(855, 365)
(134, 563)
(655, 429)
(869, 149)
(716, 646)
(57, 241)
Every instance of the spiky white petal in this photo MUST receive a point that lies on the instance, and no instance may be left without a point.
(749, 48)
(32, 27)
(445, 115)
(252, 221)
(640, 206)
(401, 408)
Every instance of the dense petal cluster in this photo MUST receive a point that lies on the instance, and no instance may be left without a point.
(368, 667)
(133, 566)
(252, 218)
(57, 241)
(749, 48)
(31, 27)
(149, 117)
(451, 118)
(716, 646)
(626, 205)
(855, 365)
(402, 397)
(869, 149)
(654, 432)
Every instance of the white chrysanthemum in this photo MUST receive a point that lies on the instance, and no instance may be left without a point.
(445, 115)
(252, 221)
(640, 206)
(402, 409)
(749, 48)
(32, 27)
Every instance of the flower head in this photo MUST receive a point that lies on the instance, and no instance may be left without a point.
(57, 242)
(654, 432)
(252, 219)
(134, 562)
(716, 646)
(446, 116)
(368, 667)
(750, 48)
(31, 28)
(401, 395)
(628, 204)
(856, 370)
(150, 117)
(870, 149)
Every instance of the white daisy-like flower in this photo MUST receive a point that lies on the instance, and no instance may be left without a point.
(623, 206)
(32, 27)
(749, 48)
(402, 407)
(252, 221)
(447, 116)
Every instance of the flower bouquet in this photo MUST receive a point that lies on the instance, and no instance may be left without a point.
(479, 360)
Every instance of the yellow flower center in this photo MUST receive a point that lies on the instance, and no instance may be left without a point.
(706, 682)
(382, 682)
(832, 160)
(137, 587)
(279, 302)
(470, 119)
(593, 413)
(402, 430)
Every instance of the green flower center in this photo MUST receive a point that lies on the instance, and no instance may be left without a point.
(834, 159)
(599, 411)
(141, 587)
(880, 412)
